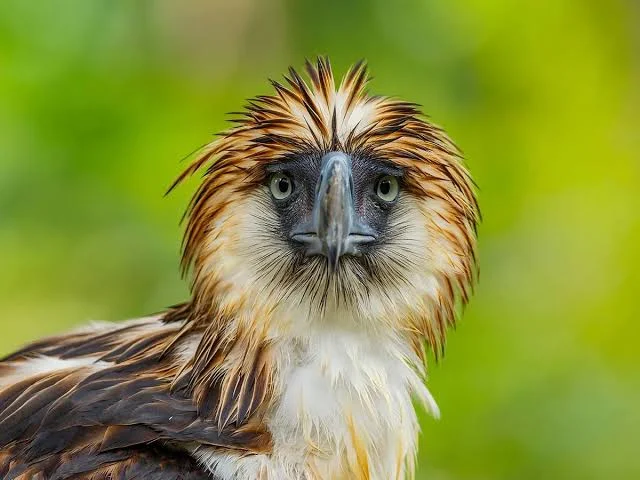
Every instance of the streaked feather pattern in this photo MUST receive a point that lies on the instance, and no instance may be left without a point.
(272, 369)
(113, 399)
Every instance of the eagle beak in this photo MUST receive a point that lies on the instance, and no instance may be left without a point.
(335, 231)
(333, 209)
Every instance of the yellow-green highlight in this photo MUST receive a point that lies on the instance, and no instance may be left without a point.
(99, 100)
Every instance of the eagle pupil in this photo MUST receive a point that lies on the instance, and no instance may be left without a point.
(385, 187)
(283, 185)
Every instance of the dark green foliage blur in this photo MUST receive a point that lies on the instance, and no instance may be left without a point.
(99, 100)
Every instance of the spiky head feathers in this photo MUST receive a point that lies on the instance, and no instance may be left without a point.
(419, 253)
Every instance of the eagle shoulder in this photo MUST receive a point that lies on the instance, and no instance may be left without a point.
(108, 402)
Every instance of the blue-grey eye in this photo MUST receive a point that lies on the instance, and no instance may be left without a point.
(281, 186)
(387, 188)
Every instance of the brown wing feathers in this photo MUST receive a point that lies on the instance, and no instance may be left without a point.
(107, 411)
(150, 463)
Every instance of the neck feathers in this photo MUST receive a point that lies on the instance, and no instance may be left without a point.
(336, 401)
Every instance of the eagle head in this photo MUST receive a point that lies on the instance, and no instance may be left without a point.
(327, 204)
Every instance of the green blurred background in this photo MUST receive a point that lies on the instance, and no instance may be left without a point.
(99, 100)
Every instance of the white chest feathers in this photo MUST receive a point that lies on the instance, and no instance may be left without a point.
(343, 411)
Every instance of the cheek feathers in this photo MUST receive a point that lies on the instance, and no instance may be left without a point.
(240, 242)
(244, 259)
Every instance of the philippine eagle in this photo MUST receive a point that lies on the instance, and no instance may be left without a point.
(329, 244)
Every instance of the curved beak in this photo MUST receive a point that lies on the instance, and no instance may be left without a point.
(334, 230)
(333, 209)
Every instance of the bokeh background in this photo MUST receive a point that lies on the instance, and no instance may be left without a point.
(99, 100)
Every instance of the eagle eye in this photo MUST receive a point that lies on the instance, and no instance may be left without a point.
(387, 188)
(281, 186)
